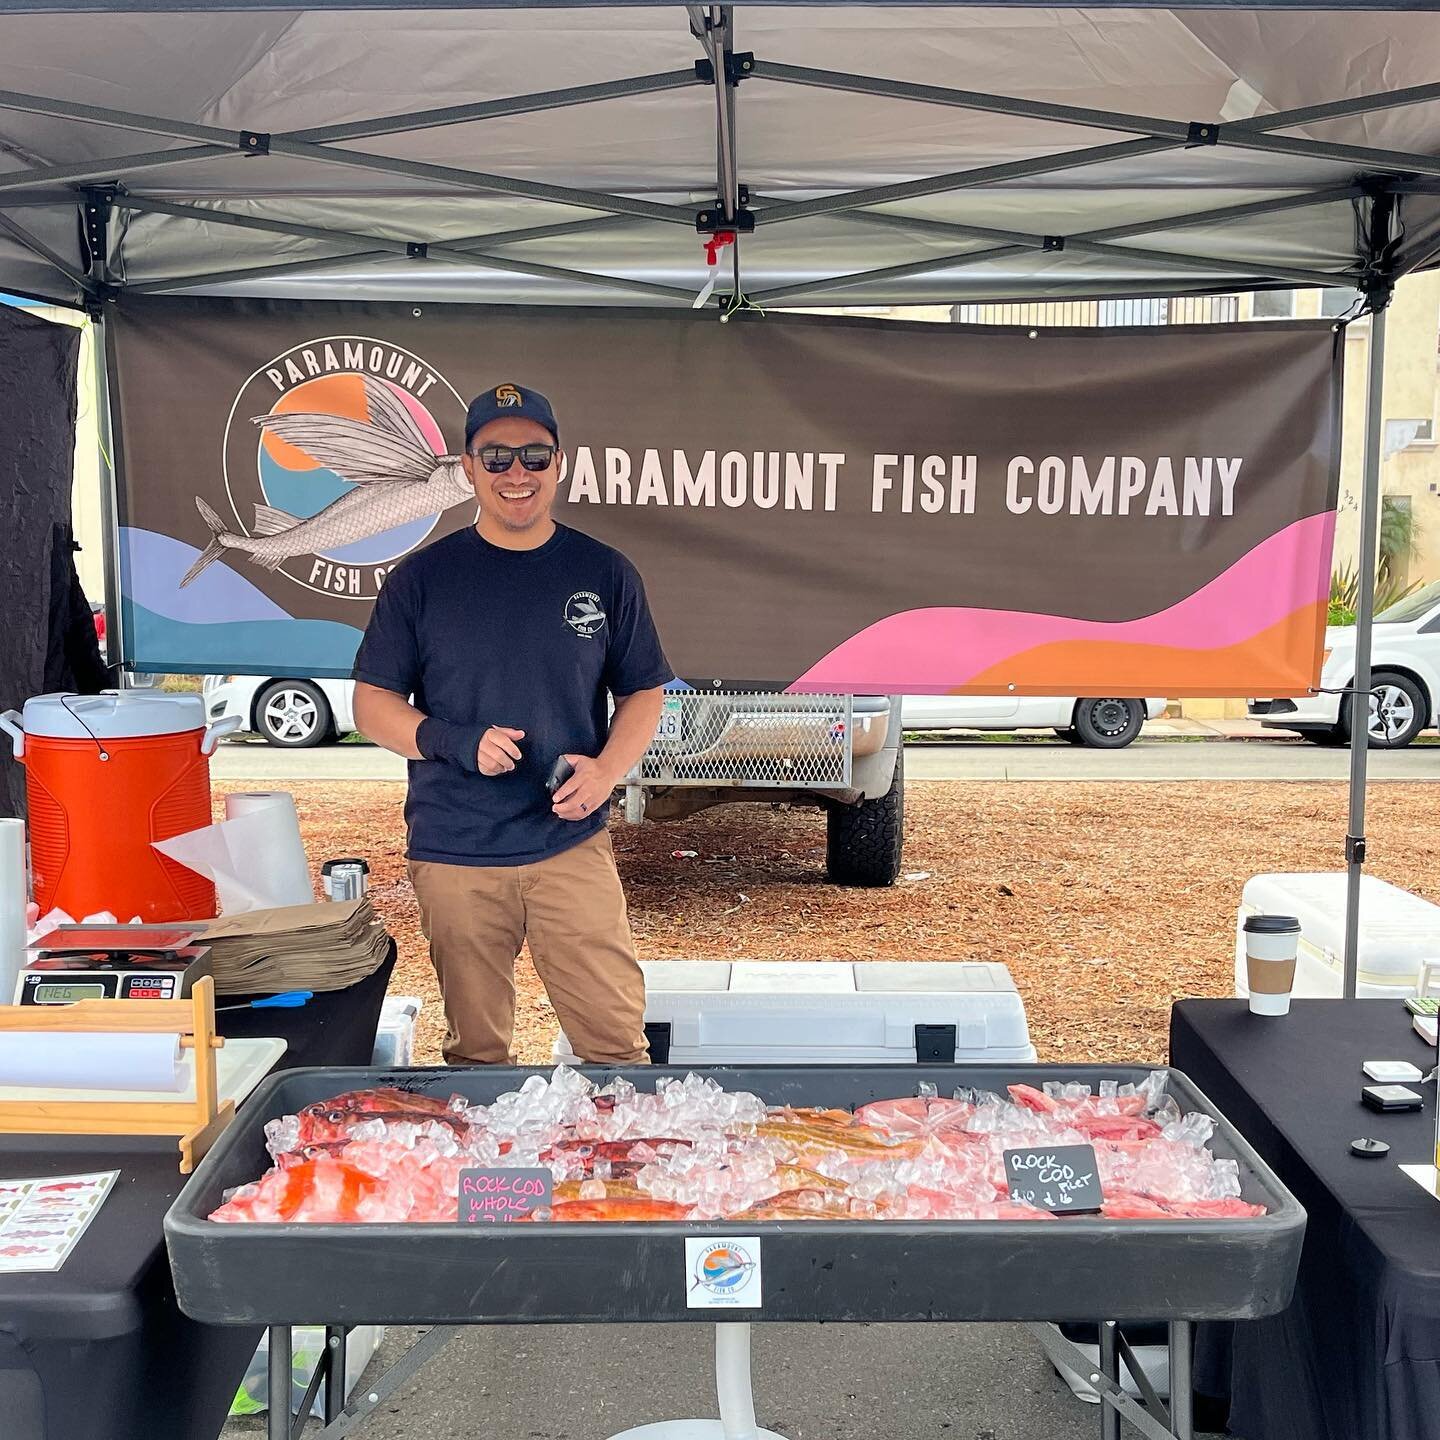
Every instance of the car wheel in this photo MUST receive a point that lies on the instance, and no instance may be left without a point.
(1069, 735)
(1398, 711)
(1108, 724)
(863, 842)
(294, 714)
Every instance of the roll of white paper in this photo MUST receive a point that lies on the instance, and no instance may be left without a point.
(12, 907)
(254, 857)
(270, 853)
(90, 1060)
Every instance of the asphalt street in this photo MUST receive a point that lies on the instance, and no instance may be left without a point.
(1050, 760)
(811, 1382)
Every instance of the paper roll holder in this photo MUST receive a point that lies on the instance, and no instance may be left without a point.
(196, 1123)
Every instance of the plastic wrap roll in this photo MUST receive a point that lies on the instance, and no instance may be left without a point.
(90, 1060)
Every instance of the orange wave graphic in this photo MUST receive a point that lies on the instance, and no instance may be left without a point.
(1280, 660)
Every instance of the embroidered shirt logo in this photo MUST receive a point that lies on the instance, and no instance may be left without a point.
(584, 614)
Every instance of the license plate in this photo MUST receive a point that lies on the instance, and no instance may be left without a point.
(668, 731)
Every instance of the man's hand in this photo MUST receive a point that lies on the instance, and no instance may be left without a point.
(497, 751)
(585, 791)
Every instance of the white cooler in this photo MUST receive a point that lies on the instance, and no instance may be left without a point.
(796, 1012)
(1399, 932)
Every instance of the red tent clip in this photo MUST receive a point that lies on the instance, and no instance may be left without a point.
(716, 243)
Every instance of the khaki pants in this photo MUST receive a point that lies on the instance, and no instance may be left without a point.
(572, 910)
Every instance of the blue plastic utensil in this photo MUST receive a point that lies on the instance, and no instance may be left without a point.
(288, 1000)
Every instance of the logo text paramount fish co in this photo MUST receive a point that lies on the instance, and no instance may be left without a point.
(359, 356)
(341, 456)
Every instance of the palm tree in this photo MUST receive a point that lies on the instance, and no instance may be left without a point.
(1399, 532)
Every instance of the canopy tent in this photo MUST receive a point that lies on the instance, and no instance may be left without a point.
(859, 154)
(887, 154)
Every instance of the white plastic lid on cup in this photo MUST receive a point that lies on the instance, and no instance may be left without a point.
(112, 715)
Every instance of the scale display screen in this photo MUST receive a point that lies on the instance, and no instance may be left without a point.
(54, 993)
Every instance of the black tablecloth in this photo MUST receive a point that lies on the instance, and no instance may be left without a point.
(1356, 1356)
(98, 1350)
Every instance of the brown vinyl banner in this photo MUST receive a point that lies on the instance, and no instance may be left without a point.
(825, 504)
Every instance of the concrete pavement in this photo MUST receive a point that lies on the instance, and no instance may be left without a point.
(1158, 755)
(812, 1382)
(1159, 760)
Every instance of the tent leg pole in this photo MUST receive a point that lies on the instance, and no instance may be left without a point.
(1364, 615)
(109, 501)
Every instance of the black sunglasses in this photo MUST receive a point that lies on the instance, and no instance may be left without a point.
(497, 459)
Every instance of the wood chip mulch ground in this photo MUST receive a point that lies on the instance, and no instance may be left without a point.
(1107, 901)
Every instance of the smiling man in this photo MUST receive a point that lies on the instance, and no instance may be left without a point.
(490, 656)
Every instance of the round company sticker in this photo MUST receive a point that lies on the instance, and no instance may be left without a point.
(722, 1273)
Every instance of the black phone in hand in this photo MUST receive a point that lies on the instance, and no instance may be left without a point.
(560, 772)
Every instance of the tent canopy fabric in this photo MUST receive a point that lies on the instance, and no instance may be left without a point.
(891, 154)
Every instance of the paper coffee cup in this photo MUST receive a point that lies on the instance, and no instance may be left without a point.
(1271, 944)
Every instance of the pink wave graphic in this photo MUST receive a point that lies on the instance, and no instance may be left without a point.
(937, 650)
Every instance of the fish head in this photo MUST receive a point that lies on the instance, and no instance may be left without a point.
(517, 499)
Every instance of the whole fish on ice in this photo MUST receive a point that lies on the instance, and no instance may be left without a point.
(397, 479)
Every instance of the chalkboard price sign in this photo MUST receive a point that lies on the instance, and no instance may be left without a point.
(1063, 1179)
(498, 1196)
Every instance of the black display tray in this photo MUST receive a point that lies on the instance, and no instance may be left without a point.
(423, 1274)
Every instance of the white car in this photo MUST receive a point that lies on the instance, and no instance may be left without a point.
(291, 712)
(1404, 675)
(300, 713)
(1105, 722)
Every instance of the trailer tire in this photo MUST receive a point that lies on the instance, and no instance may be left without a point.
(863, 842)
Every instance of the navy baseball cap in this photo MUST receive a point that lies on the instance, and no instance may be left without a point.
(506, 401)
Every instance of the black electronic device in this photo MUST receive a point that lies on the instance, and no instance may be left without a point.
(1389, 1098)
(560, 772)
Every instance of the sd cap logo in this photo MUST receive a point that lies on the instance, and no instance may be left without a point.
(507, 397)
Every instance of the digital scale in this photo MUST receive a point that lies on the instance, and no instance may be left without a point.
(114, 973)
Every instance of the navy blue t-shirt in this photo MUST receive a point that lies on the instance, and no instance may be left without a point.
(533, 639)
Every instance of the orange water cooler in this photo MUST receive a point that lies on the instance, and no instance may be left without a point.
(106, 775)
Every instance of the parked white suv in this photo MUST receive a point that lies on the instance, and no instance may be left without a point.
(1404, 673)
(1107, 723)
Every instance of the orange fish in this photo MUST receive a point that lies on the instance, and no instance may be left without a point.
(567, 1190)
(619, 1208)
(319, 1191)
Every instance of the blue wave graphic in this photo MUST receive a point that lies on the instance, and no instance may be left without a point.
(307, 647)
(151, 567)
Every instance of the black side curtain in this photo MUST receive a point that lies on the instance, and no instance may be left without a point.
(40, 597)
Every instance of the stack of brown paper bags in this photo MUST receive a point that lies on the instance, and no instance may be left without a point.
(296, 947)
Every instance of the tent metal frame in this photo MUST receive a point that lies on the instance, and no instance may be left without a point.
(97, 188)
(723, 69)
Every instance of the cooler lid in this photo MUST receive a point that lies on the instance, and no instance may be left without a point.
(112, 715)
